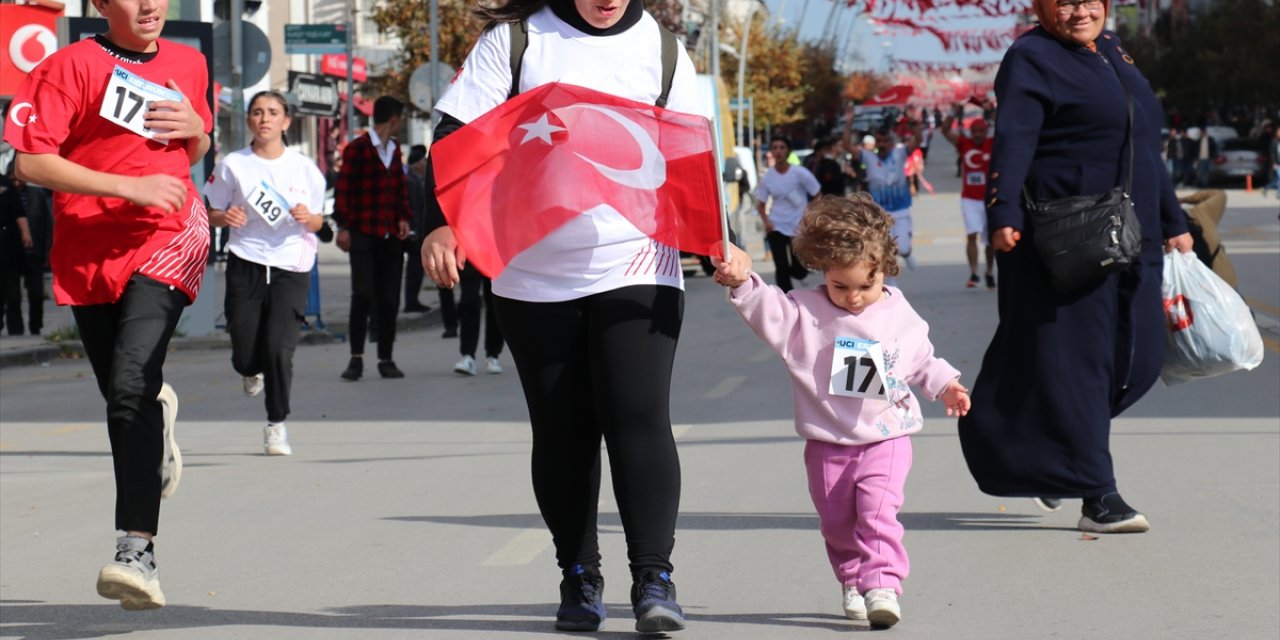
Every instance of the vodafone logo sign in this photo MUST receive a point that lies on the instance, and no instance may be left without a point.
(28, 35)
(31, 44)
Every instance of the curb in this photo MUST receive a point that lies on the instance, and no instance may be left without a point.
(332, 333)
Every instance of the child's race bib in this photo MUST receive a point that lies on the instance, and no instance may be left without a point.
(857, 369)
(269, 203)
(129, 96)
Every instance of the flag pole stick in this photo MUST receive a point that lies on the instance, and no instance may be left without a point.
(724, 211)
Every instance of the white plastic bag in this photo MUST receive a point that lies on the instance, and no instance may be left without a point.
(1209, 328)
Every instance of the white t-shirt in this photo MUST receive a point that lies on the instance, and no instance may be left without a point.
(244, 178)
(599, 250)
(790, 192)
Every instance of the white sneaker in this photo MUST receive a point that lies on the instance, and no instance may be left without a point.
(252, 385)
(275, 439)
(493, 366)
(882, 608)
(466, 366)
(132, 578)
(910, 259)
(171, 463)
(855, 608)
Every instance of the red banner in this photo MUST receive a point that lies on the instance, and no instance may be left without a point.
(27, 36)
(335, 64)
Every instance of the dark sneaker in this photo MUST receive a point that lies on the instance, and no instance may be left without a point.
(973, 281)
(389, 369)
(581, 600)
(653, 598)
(1049, 504)
(991, 281)
(449, 333)
(132, 578)
(355, 369)
(171, 462)
(1110, 514)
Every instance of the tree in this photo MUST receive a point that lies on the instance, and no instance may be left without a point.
(775, 73)
(409, 21)
(1222, 57)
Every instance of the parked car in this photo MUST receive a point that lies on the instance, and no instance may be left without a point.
(1238, 158)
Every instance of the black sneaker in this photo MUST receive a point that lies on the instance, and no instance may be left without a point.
(991, 282)
(1110, 514)
(388, 369)
(355, 369)
(449, 333)
(1049, 504)
(653, 599)
(581, 600)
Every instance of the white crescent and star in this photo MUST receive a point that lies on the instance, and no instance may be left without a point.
(652, 172)
(17, 119)
(969, 157)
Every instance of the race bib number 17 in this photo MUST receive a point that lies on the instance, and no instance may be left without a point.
(857, 369)
(129, 96)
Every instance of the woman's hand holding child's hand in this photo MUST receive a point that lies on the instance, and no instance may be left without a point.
(735, 271)
(956, 397)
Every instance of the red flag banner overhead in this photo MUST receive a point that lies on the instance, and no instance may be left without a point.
(892, 97)
(515, 174)
(990, 8)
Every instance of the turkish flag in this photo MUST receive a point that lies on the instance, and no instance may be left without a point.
(515, 174)
(894, 97)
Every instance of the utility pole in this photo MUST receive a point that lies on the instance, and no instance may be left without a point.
(742, 72)
(237, 73)
(433, 17)
(351, 83)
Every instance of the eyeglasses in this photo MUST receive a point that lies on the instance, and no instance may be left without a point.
(1068, 7)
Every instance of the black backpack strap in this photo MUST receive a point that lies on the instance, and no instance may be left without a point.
(669, 52)
(519, 42)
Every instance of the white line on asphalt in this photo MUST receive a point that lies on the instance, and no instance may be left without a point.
(765, 354)
(520, 550)
(726, 387)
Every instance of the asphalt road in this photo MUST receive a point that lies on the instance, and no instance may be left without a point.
(406, 511)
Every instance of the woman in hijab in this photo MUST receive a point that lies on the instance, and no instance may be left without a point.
(1061, 366)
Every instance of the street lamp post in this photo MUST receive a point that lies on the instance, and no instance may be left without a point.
(742, 72)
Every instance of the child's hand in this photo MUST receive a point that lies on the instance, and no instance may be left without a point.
(956, 397)
(735, 271)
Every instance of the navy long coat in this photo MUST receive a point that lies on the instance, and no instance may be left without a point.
(1061, 366)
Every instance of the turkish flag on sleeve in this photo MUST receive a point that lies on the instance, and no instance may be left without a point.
(515, 174)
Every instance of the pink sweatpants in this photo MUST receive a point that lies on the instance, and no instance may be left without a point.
(858, 490)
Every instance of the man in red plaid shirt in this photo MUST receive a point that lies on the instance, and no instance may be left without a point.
(371, 206)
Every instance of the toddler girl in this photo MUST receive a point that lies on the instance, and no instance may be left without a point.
(852, 346)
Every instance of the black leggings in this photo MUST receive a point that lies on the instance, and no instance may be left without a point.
(264, 309)
(601, 366)
(785, 264)
(126, 342)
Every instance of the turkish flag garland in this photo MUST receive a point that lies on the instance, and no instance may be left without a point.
(515, 174)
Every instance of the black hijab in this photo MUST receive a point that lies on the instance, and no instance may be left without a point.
(565, 10)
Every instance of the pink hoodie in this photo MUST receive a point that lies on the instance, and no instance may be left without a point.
(803, 325)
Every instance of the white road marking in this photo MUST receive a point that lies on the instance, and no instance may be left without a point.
(521, 549)
(726, 387)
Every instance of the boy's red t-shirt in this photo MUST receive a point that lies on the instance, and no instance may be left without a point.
(100, 242)
(974, 161)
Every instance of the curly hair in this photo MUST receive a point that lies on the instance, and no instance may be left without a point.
(839, 232)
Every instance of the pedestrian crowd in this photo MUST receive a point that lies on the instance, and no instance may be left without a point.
(591, 311)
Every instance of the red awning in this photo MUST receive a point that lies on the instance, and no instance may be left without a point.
(895, 97)
(363, 104)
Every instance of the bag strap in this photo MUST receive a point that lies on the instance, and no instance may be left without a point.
(669, 52)
(520, 42)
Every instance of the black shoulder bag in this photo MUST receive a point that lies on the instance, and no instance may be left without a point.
(1082, 239)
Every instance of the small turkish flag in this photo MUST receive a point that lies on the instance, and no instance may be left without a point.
(515, 174)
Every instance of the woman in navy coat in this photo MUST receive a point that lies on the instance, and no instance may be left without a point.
(1061, 366)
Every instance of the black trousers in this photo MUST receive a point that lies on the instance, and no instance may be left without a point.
(475, 288)
(785, 264)
(265, 308)
(413, 273)
(595, 367)
(25, 274)
(448, 308)
(376, 267)
(126, 342)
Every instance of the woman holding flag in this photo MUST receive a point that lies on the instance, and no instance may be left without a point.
(590, 302)
(272, 197)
